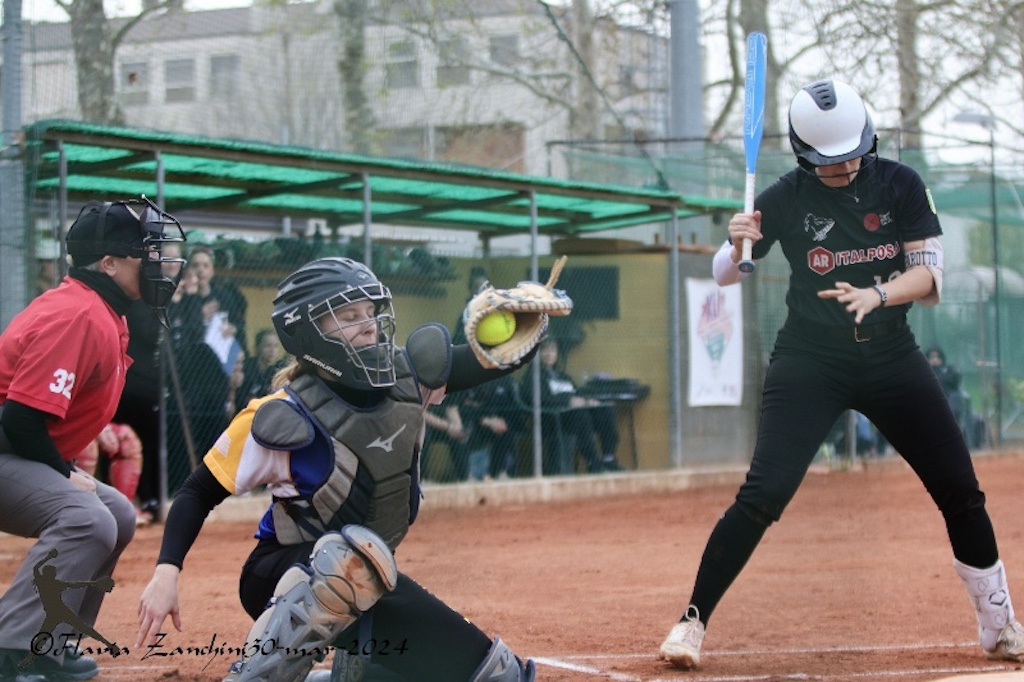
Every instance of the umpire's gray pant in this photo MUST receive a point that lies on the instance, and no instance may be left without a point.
(89, 530)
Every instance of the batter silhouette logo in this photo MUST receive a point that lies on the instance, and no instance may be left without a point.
(51, 589)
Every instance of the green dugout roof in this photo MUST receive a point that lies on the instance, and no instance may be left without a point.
(241, 177)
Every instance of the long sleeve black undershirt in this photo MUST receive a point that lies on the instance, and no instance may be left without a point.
(467, 371)
(25, 428)
(198, 495)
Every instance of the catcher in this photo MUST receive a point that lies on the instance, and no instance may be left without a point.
(121, 446)
(338, 447)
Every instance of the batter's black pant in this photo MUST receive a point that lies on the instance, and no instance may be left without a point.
(891, 383)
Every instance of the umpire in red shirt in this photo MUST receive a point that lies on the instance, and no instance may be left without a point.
(62, 370)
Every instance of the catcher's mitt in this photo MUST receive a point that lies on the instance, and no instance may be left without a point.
(530, 302)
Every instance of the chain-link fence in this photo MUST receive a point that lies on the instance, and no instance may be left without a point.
(614, 349)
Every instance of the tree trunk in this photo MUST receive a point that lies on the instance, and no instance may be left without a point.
(351, 15)
(585, 118)
(906, 52)
(94, 62)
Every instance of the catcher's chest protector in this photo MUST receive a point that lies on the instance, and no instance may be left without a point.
(374, 460)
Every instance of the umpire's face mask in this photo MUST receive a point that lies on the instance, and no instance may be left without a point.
(160, 271)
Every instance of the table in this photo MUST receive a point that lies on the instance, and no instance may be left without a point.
(624, 393)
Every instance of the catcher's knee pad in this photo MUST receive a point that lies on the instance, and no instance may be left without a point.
(349, 571)
(501, 665)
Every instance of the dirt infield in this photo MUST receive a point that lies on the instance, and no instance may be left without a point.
(855, 583)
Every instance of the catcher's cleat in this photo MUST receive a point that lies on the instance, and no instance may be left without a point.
(501, 665)
(1010, 645)
(682, 646)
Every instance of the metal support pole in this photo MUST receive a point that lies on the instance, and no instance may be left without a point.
(996, 293)
(675, 346)
(538, 442)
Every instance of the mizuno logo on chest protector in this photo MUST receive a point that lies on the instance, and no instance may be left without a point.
(386, 445)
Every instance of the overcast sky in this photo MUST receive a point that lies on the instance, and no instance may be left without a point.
(47, 10)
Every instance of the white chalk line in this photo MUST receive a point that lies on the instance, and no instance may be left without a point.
(576, 663)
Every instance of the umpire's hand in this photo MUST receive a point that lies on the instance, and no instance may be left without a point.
(159, 599)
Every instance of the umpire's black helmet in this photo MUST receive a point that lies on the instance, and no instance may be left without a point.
(306, 322)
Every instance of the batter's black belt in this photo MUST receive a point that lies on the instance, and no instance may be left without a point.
(856, 333)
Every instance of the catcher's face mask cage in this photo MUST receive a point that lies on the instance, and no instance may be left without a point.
(159, 274)
(314, 322)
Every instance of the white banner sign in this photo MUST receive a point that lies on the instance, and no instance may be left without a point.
(716, 343)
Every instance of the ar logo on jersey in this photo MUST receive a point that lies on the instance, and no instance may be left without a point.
(821, 260)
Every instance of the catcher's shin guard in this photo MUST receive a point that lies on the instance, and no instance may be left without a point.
(349, 571)
(501, 665)
(990, 596)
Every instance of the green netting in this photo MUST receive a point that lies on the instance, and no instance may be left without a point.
(243, 177)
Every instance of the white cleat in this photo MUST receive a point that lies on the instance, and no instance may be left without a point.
(1010, 645)
(682, 646)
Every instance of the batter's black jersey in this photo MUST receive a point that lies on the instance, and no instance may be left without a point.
(850, 234)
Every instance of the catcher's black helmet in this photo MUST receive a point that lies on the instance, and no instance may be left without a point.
(829, 123)
(306, 320)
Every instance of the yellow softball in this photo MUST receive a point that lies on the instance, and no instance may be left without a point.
(498, 327)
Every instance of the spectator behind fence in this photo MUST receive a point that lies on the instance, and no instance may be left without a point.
(197, 386)
(444, 425)
(583, 418)
(218, 294)
(972, 426)
(492, 426)
(259, 370)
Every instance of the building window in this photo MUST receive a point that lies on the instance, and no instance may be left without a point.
(452, 69)
(497, 145)
(180, 80)
(224, 70)
(402, 68)
(134, 83)
(405, 143)
(505, 51)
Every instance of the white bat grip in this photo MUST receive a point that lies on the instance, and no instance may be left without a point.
(747, 260)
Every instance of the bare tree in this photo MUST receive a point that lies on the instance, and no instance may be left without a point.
(95, 43)
(352, 64)
(912, 56)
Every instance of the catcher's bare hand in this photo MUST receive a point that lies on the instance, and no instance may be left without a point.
(159, 599)
(860, 302)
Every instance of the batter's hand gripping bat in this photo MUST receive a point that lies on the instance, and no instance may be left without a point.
(753, 126)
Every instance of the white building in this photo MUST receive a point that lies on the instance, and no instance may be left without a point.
(486, 83)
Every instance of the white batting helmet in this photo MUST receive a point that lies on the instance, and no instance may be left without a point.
(829, 123)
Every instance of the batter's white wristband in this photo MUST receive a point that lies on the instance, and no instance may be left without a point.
(726, 272)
